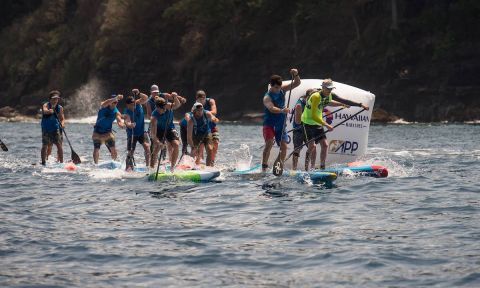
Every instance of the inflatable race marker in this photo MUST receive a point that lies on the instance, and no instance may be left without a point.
(346, 143)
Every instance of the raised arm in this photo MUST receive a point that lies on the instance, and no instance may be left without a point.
(143, 97)
(348, 102)
(111, 100)
(296, 80)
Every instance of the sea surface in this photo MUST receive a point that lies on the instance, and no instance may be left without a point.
(420, 227)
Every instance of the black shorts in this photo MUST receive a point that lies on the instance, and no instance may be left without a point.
(54, 137)
(140, 139)
(298, 140)
(171, 135)
(313, 132)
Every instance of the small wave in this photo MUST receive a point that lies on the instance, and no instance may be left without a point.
(402, 122)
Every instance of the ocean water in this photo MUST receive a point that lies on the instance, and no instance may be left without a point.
(94, 228)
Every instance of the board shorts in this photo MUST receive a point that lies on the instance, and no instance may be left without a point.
(313, 132)
(54, 137)
(205, 139)
(171, 135)
(298, 140)
(215, 134)
(140, 139)
(103, 138)
(270, 132)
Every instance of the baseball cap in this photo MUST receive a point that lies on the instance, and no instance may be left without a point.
(154, 88)
(197, 105)
(328, 83)
(54, 94)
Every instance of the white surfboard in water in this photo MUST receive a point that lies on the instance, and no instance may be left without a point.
(347, 142)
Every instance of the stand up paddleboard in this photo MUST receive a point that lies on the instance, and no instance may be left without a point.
(314, 176)
(188, 175)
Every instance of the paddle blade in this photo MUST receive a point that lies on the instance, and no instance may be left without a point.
(75, 158)
(3, 146)
(278, 167)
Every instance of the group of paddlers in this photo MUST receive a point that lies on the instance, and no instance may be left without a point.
(198, 129)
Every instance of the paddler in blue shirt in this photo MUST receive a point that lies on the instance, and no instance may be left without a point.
(53, 121)
(135, 122)
(210, 105)
(102, 131)
(199, 133)
(163, 128)
(274, 117)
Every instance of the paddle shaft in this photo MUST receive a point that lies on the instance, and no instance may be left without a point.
(75, 157)
(326, 115)
(315, 138)
(278, 164)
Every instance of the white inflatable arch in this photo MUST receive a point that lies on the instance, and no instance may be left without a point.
(347, 142)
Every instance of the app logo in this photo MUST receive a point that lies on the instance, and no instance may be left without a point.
(342, 147)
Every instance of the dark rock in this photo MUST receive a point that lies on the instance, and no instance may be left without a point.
(382, 116)
(8, 112)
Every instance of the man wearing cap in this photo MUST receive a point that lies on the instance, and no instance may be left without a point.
(163, 129)
(312, 120)
(199, 132)
(155, 94)
(102, 132)
(274, 116)
(135, 125)
(209, 104)
(52, 122)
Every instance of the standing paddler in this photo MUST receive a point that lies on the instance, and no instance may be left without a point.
(312, 120)
(135, 127)
(274, 117)
(102, 131)
(53, 121)
(199, 132)
(163, 130)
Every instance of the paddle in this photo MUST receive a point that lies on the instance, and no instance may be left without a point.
(130, 161)
(163, 139)
(313, 139)
(75, 157)
(3, 146)
(278, 164)
(326, 115)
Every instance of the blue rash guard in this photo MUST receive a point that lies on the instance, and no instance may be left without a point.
(275, 119)
(164, 119)
(201, 126)
(105, 119)
(138, 118)
(208, 107)
(50, 123)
